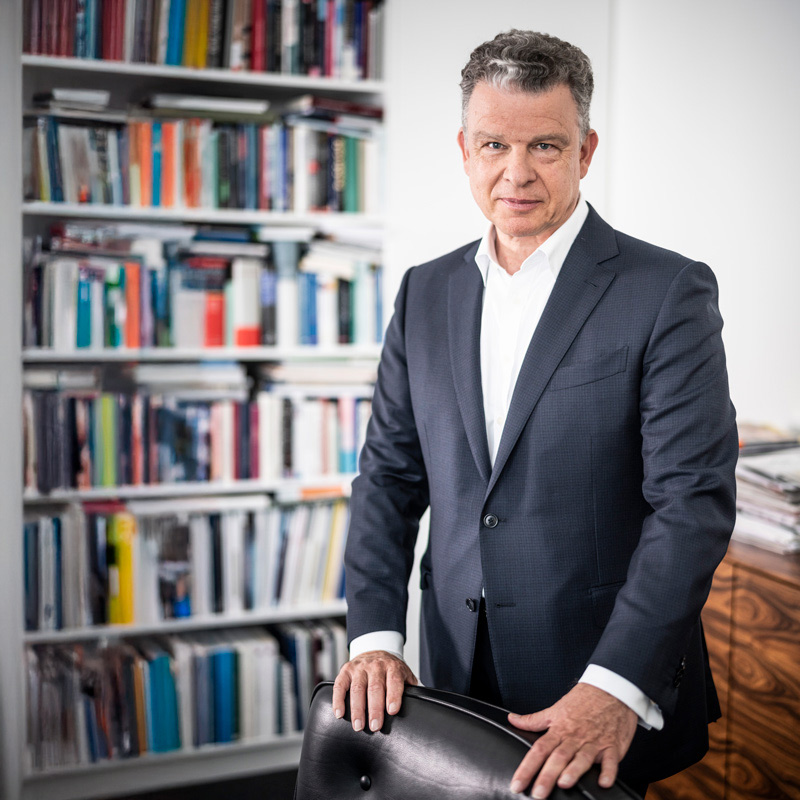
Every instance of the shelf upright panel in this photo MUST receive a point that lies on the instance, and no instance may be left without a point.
(11, 674)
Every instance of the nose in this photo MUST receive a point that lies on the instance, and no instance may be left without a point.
(519, 168)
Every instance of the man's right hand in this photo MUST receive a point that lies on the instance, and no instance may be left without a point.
(375, 681)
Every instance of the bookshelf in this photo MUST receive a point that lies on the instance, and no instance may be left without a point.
(26, 75)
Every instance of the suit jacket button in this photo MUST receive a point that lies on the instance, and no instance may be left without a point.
(490, 521)
(471, 604)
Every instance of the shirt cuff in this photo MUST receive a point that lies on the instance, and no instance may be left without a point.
(390, 641)
(649, 713)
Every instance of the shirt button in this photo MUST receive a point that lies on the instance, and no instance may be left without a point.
(490, 521)
(499, 420)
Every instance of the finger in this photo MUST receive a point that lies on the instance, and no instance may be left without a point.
(358, 700)
(579, 765)
(395, 684)
(376, 699)
(552, 769)
(532, 763)
(608, 768)
(540, 721)
(340, 687)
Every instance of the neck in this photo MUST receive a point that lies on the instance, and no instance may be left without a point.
(512, 251)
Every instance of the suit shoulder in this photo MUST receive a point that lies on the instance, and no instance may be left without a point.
(637, 253)
(444, 265)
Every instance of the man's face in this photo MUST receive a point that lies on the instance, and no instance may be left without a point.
(525, 158)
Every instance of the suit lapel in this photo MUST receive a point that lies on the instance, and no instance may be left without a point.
(580, 285)
(465, 304)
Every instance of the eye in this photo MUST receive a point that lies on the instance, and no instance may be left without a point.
(544, 147)
(494, 146)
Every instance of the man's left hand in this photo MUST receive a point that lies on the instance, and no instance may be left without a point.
(584, 727)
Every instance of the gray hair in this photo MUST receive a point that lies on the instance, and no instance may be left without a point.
(530, 62)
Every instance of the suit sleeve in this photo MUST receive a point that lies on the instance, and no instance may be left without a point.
(689, 451)
(389, 495)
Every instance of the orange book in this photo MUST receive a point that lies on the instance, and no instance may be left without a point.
(168, 156)
(137, 445)
(146, 161)
(190, 163)
(133, 302)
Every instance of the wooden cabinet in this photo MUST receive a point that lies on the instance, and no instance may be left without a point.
(752, 624)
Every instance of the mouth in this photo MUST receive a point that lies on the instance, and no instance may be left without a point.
(519, 203)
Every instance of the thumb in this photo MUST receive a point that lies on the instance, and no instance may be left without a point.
(538, 721)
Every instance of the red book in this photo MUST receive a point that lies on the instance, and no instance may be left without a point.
(254, 465)
(258, 38)
(137, 448)
(133, 301)
(72, 13)
(215, 320)
(330, 25)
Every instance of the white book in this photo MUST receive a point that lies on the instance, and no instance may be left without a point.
(307, 438)
(188, 315)
(192, 102)
(114, 174)
(233, 561)
(269, 436)
(327, 310)
(200, 543)
(372, 174)
(163, 32)
(129, 31)
(365, 304)
(334, 567)
(180, 196)
(266, 682)
(297, 533)
(246, 289)
(227, 441)
(330, 429)
(339, 632)
(97, 314)
(316, 555)
(301, 141)
(146, 594)
(288, 698)
(74, 573)
(65, 303)
(183, 665)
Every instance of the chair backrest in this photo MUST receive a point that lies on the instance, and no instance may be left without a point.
(439, 746)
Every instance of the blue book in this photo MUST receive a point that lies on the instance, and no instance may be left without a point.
(81, 38)
(307, 290)
(175, 38)
(31, 546)
(84, 334)
(223, 695)
(156, 145)
(251, 171)
(53, 157)
(57, 576)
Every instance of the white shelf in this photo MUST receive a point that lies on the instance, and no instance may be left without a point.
(257, 354)
(161, 770)
(269, 616)
(220, 76)
(286, 489)
(326, 221)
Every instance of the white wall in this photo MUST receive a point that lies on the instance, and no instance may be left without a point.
(697, 110)
(704, 119)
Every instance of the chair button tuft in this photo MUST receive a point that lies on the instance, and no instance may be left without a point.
(365, 782)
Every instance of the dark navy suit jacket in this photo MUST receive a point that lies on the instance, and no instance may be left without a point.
(612, 490)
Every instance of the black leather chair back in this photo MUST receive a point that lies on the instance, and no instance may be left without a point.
(440, 746)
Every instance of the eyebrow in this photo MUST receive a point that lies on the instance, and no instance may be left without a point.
(547, 137)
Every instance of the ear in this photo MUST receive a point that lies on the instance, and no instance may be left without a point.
(587, 151)
(462, 143)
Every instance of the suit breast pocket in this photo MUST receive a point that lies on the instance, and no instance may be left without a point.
(604, 366)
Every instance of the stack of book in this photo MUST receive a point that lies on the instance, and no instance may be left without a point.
(89, 703)
(332, 38)
(768, 499)
(148, 561)
(286, 290)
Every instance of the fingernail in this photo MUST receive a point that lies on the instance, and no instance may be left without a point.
(393, 708)
(539, 793)
(517, 786)
(374, 725)
(605, 781)
(338, 713)
(358, 724)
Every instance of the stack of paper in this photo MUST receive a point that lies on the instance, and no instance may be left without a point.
(768, 500)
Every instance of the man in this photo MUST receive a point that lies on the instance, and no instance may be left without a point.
(557, 394)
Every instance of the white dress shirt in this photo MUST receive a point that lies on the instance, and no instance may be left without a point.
(512, 308)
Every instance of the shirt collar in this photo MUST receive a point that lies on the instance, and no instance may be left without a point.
(555, 247)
